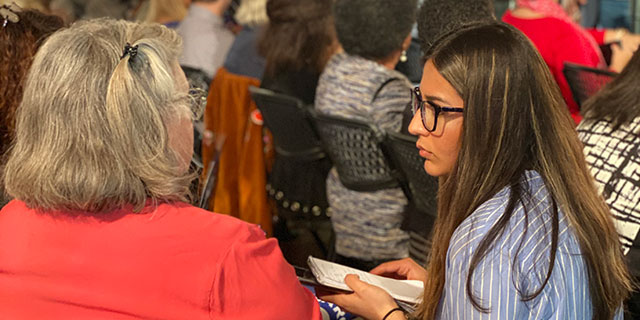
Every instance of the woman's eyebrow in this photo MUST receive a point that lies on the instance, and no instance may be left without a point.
(436, 98)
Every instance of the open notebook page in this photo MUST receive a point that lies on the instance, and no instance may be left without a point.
(332, 275)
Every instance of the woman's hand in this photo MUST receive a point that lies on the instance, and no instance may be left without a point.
(630, 41)
(367, 301)
(404, 269)
(620, 56)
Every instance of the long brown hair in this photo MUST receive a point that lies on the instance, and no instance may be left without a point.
(510, 99)
(18, 44)
(300, 35)
(618, 101)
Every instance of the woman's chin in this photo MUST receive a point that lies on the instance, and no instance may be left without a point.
(434, 169)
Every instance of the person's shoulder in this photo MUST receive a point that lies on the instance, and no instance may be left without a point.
(338, 65)
(394, 81)
(474, 228)
(535, 205)
(14, 205)
(212, 227)
(14, 210)
(542, 24)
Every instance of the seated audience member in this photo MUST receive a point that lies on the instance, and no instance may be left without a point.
(166, 12)
(100, 226)
(206, 40)
(439, 17)
(361, 84)
(296, 44)
(521, 231)
(243, 57)
(559, 39)
(73, 10)
(21, 33)
(610, 133)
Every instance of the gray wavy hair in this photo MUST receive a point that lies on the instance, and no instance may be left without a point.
(91, 131)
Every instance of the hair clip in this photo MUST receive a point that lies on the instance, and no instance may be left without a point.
(9, 13)
(132, 51)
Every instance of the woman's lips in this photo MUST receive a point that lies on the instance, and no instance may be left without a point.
(424, 153)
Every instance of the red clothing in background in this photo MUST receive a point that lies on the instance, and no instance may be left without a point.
(177, 262)
(558, 42)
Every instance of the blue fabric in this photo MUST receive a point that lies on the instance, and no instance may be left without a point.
(329, 310)
(243, 58)
(614, 14)
(505, 269)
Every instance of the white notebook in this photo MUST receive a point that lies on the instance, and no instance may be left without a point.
(332, 275)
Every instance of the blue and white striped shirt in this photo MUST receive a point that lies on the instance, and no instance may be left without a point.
(497, 280)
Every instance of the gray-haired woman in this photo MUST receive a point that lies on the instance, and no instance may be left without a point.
(100, 227)
(361, 84)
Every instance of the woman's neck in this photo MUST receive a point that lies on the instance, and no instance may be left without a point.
(526, 13)
(391, 61)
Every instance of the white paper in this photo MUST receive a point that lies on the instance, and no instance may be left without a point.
(332, 275)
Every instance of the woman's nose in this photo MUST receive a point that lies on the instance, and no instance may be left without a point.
(415, 126)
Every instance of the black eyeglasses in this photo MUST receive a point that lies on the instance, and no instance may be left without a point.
(429, 111)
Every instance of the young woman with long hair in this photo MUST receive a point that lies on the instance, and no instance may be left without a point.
(521, 230)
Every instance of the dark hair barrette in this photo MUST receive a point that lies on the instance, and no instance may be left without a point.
(9, 13)
(132, 51)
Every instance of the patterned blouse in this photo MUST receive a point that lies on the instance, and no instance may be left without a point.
(614, 157)
(367, 224)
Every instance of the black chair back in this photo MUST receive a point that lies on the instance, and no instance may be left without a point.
(355, 148)
(422, 188)
(209, 185)
(289, 122)
(211, 178)
(585, 81)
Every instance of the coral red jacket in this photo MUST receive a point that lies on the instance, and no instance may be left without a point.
(558, 42)
(174, 262)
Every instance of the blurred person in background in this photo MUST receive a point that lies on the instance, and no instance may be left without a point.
(165, 12)
(243, 57)
(206, 39)
(22, 31)
(361, 83)
(297, 43)
(40, 5)
(72, 10)
(100, 225)
(439, 17)
(559, 39)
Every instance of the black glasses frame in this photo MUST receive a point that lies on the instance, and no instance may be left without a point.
(418, 103)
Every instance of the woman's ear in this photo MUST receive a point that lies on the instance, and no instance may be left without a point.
(407, 42)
